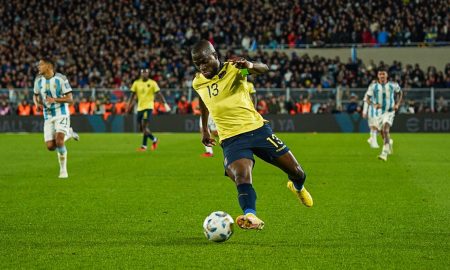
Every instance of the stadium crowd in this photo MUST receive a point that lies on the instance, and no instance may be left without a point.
(105, 43)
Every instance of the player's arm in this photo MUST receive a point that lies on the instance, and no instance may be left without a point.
(130, 103)
(365, 106)
(253, 68)
(368, 97)
(67, 98)
(206, 134)
(160, 96)
(398, 98)
(37, 101)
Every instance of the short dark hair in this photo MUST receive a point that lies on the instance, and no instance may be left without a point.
(382, 69)
(202, 46)
(48, 60)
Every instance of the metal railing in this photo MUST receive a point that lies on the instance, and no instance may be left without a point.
(426, 96)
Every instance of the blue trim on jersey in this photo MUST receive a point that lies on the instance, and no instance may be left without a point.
(49, 93)
(375, 93)
(383, 104)
(391, 88)
(44, 110)
(62, 106)
(58, 88)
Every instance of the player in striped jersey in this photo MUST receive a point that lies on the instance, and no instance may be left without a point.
(372, 116)
(386, 96)
(53, 93)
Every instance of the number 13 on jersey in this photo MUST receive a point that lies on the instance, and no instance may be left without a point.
(213, 90)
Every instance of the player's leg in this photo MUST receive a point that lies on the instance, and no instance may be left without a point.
(62, 129)
(386, 139)
(62, 154)
(51, 145)
(387, 122)
(373, 123)
(271, 149)
(72, 135)
(373, 137)
(148, 132)
(140, 121)
(297, 176)
(238, 163)
(240, 171)
(49, 135)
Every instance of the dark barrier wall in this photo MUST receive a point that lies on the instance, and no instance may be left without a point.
(281, 123)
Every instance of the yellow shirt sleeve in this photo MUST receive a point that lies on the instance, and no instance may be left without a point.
(134, 87)
(155, 87)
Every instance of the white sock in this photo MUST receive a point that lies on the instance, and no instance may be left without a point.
(209, 149)
(62, 159)
(386, 147)
(373, 135)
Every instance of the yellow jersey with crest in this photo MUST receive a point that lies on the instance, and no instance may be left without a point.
(145, 92)
(227, 98)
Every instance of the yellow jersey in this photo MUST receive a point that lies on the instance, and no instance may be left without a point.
(227, 98)
(145, 92)
(251, 88)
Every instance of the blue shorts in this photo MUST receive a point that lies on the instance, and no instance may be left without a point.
(144, 115)
(260, 142)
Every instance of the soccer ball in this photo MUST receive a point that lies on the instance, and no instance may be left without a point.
(218, 226)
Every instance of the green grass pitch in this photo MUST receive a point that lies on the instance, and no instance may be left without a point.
(128, 210)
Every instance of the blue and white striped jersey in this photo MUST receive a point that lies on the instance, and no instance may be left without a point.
(55, 87)
(370, 109)
(383, 94)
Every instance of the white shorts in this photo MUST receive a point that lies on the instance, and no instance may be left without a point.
(54, 125)
(211, 124)
(374, 121)
(387, 117)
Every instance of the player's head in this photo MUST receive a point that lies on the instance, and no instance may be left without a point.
(145, 73)
(46, 65)
(205, 58)
(382, 74)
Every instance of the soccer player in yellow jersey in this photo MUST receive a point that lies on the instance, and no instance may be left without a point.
(212, 125)
(243, 132)
(145, 90)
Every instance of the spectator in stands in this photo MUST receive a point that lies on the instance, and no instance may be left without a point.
(5, 108)
(262, 106)
(442, 105)
(108, 109)
(305, 106)
(195, 104)
(274, 106)
(120, 107)
(352, 106)
(126, 43)
(24, 109)
(98, 108)
(183, 105)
